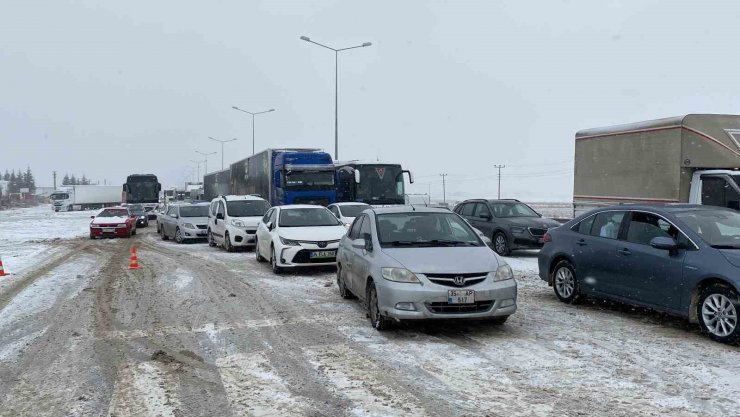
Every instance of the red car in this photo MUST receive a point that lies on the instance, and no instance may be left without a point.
(113, 222)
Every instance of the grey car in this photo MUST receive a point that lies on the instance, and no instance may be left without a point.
(510, 224)
(409, 263)
(679, 259)
(185, 221)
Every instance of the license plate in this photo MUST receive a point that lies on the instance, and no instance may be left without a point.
(109, 229)
(541, 240)
(323, 254)
(461, 296)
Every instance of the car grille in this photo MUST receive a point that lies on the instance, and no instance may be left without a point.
(321, 201)
(250, 232)
(449, 279)
(536, 231)
(318, 243)
(202, 226)
(446, 308)
(304, 257)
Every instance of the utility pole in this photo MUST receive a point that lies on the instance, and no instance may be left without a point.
(444, 189)
(499, 167)
(54, 173)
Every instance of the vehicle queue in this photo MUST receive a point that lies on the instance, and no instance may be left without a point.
(410, 263)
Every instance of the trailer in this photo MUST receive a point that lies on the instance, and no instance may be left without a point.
(689, 159)
(85, 197)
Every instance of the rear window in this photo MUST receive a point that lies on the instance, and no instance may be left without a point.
(607, 224)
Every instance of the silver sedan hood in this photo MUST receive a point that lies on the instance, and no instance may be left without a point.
(445, 260)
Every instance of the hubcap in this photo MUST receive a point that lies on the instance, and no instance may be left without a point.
(719, 315)
(564, 282)
(500, 244)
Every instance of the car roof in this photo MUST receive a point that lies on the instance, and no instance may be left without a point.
(115, 208)
(409, 209)
(664, 207)
(350, 203)
(200, 203)
(237, 197)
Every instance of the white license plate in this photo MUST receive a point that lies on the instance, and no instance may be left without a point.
(323, 254)
(109, 229)
(461, 296)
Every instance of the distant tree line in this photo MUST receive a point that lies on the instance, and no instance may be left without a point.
(72, 180)
(20, 179)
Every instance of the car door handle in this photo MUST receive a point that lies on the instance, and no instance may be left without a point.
(625, 252)
(581, 243)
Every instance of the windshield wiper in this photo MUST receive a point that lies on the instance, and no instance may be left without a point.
(403, 243)
(451, 242)
(725, 246)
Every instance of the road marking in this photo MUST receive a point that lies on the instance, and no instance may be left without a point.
(254, 388)
(354, 376)
(145, 388)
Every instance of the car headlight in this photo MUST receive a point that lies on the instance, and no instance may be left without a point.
(142, 217)
(399, 275)
(289, 242)
(188, 225)
(518, 229)
(503, 272)
(237, 223)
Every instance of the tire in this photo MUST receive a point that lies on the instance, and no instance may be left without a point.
(164, 234)
(718, 311)
(92, 237)
(565, 282)
(499, 320)
(273, 262)
(343, 291)
(501, 244)
(378, 322)
(227, 243)
(211, 242)
(257, 252)
(178, 236)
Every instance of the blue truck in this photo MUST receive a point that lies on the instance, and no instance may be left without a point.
(375, 183)
(281, 176)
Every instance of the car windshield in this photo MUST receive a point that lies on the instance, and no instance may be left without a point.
(425, 229)
(307, 217)
(113, 213)
(194, 211)
(135, 207)
(353, 210)
(59, 196)
(513, 210)
(247, 208)
(719, 228)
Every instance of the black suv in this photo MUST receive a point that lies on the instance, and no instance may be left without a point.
(511, 224)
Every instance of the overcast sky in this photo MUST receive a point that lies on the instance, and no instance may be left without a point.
(109, 88)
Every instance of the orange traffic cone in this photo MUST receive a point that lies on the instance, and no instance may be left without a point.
(2, 271)
(134, 260)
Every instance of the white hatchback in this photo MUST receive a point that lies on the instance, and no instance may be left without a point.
(298, 235)
(232, 220)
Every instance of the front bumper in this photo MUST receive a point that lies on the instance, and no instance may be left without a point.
(197, 233)
(526, 240)
(300, 256)
(492, 299)
(118, 232)
(242, 236)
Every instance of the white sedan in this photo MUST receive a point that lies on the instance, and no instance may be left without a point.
(298, 235)
(346, 212)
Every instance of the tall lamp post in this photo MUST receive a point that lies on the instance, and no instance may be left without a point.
(222, 148)
(336, 86)
(198, 164)
(206, 155)
(253, 114)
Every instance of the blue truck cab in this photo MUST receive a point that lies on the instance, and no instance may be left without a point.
(303, 177)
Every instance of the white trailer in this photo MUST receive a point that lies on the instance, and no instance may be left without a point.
(85, 197)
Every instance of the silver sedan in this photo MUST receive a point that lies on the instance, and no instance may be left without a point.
(410, 263)
(185, 221)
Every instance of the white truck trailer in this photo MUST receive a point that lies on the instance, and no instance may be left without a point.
(85, 197)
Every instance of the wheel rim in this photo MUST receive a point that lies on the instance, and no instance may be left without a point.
(178, 236)
(565, 282)
(340, 280)
(227, 241)
(719, 314)
(500, 244)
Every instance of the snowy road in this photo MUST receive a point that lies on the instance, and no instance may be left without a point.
(199, 331)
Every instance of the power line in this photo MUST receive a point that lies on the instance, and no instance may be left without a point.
(499, 167)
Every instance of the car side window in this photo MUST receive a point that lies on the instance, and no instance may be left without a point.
(481, 209)
(221, 209)
(171, 211)
(643, 227)
(365, 228)
(468, 209)
(273, 217)
(607, 224)
(212, 210)
(584, 227)
(354, 232)
(266, 217)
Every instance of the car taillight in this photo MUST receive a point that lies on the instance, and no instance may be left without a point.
(547, 238)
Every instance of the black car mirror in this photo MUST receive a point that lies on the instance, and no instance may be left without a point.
(485, 216)
(664, 243)
(269, 226)
(219, 216)
(368, 245)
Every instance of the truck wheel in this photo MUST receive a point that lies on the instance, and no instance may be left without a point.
(717, 311)
(501, 244)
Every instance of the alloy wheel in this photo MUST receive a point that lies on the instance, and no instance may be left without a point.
(719, 314)
(564, 282)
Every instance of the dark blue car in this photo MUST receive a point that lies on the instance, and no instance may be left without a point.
(680, 259)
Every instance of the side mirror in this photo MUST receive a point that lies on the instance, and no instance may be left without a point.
(664, 243)
(269, 226)
(92, 217)
(485, 216)
(411, 176)
(173, 215)
(358, 244)
(219, 216)
(368, 246)
(357, 176)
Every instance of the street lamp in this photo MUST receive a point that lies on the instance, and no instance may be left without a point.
(197, 163)
(336, 86)
(206, 155)
(222, 148)
(253, 114)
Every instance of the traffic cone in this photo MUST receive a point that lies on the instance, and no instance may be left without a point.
(134, 260)
(2, 271)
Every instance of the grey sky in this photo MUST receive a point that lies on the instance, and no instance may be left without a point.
(112, 88)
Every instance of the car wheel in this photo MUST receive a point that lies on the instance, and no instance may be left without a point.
(717, 311)
(227, 243)
(211, 242)
(178, 235)
(92, 237)
(501, 244)
(164, 234)
(499, 320)
(565, 282)
(273, 261)
(378, 322)
(257, 251)
(343, 291)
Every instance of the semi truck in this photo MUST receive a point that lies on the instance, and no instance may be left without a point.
(375, 183)
(217, 183)
(85, 197)
(286, 176)
(688, 159)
